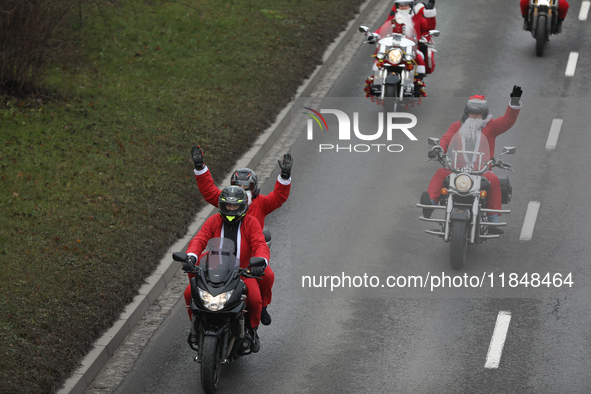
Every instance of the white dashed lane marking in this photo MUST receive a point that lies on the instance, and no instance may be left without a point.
(584, 10)
(554, 133)
(571, 65)
(529, 222)
(497, 342)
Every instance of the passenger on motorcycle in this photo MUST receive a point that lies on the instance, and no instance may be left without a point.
(247, 234)
(414, 26)
(428, 11)
(562, 10)
(476, 118)
(260, 205)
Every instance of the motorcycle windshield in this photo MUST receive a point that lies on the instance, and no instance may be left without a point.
(469, 150)
(220, 262)
(389, 38)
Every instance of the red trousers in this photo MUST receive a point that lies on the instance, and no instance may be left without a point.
(562, 8)
(259, 296)
(493, 200)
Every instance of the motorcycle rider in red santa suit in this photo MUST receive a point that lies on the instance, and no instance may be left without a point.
(427, 11)
(414, 26)
(476, 119)
(260, 205)
(247, 234)
(562, 10)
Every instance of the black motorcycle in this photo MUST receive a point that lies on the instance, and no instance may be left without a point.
(543, 19)
(218, 303)
(464, 193)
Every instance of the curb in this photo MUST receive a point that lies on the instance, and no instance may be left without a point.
(107, 344)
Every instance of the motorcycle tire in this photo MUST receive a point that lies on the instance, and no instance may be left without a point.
(459, 244)
(211, 364)
(541, 35)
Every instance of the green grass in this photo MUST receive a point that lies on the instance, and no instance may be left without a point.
(96, 178)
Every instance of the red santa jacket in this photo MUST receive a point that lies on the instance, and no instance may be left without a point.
(261, 206)
(250, 239)
(427, 18)
(494, 128)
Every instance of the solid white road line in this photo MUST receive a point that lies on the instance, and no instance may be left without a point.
(584, 10)
(497, 342)
(554, 133)
(571, 64)
(530, 221)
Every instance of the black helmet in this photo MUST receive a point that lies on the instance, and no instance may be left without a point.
(246, 177)
(230, 197)
(475, 105)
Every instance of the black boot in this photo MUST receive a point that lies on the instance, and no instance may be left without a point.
(559, 25)
(426, 200)
(265, 317)
(526, 24)
(256, 343)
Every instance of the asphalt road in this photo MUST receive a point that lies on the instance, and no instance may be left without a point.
(352, 214)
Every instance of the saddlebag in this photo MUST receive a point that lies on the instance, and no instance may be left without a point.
(506, 189)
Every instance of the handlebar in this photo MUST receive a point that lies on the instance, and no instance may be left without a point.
(445, 161)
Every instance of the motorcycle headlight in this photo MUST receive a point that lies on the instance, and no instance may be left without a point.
(395, 55)
(381, 55)
(214, 303)
(463, 183)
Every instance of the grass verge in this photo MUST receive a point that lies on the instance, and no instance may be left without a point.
(96, 178)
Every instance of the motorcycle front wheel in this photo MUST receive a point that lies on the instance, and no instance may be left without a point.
(541, 35)
(211, 364)
(459, 244)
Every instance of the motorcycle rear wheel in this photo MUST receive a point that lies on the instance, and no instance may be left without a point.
(211, 364)
(459, 244)
(541, 35)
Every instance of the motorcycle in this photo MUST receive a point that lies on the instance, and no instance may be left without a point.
(543, 20)
(219, 306)
(464, 194)
(396, 65)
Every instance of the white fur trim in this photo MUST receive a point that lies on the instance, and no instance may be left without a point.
(515, 106)
(421, 70)
(284, 181)
(418, 7)
(430, 13)
(203, 171)
(193, 254)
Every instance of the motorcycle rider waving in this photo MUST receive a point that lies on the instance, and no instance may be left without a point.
(247, 234)
(260, 205)
(476, 118)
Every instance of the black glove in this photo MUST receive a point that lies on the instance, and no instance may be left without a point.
(434, 152)
(257, 271)
(189, 265)
(285, 166)
(197, 154)
(430, 5)
(516, 95)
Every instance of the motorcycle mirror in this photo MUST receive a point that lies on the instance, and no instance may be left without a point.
(179, 256)
(434, 33)
(363, 29)
(510, 150)
(256, 262)
(433, 141)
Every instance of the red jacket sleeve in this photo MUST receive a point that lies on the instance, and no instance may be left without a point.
(501, 124)
(256, 238)
(207, 188)
(276, 198)
(199, 242)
